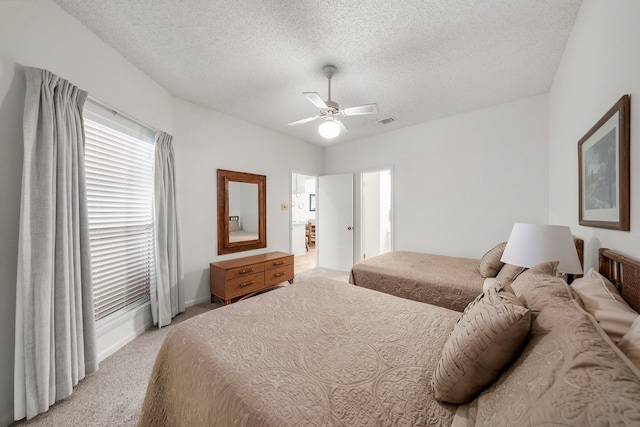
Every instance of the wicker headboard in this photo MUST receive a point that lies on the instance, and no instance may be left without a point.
(580, 250)
(623, 272)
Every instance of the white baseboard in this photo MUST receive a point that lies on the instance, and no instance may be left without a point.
(197, 301)
(117, 332)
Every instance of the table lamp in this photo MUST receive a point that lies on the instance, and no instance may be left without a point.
(533, 244)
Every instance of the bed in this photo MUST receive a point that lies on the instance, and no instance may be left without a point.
(237, 234)
(445, 281)
(323, 352)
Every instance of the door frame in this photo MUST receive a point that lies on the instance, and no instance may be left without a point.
(290, 208)
(362, 210)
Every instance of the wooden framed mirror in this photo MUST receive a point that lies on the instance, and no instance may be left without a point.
(242, 212)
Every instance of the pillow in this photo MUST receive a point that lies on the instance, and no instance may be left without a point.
(490, 333)
(492, 282)
(234, 225)
(489, 283)
(508, 273)
(528, 278)
(547, 290)
(602, 300)
(569, 373)
(538, 287)
(490, 263)
(630, 343)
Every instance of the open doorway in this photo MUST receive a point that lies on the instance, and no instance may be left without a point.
(376, 213)
(303, 222)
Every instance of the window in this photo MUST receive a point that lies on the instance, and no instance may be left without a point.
(119, 160)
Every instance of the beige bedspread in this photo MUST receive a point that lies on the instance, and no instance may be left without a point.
(242, 236)
(444, 281)
(317, 353)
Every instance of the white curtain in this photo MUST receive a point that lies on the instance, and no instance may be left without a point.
(55, 328)
(167, 296)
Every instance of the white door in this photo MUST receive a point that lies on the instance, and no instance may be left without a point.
(334, 226)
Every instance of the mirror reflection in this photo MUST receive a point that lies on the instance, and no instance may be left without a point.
(243, 211)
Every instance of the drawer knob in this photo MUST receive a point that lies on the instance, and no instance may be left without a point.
(246, 270)
(279, 274)
(247, 283)
(278, 263)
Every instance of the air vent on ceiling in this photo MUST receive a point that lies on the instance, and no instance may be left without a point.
(386, 121)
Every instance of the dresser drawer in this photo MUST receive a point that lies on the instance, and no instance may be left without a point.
(279, 263)
(278, 275)
(245, 285)
(245, 271)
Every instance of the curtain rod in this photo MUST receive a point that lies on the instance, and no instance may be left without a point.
(119, 113)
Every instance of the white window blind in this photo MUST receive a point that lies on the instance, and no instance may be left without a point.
(119, 171)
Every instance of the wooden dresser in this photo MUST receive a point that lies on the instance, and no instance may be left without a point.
(245, 276)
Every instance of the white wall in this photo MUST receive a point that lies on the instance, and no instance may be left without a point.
(204, 141)
(38, 33)
(459, 183)
(600, 64)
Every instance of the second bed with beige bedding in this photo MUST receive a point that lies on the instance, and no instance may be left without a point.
(449, 282)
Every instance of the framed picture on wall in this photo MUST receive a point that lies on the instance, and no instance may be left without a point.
(603, 170)
(312, 202)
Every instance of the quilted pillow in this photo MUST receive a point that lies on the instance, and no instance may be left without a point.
(547, 290)
(508, 273)
(528, 279)
(602, 300)
(490, 333)
(490, 263)
(538, 287)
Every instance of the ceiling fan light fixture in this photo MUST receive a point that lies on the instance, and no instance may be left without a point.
(329, 129)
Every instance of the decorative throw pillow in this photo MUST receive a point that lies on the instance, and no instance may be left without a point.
(630, 343)
(602, 300)
(539, 286)
(490, 263)
(490, 334)
(492, 283)
(547, 290)
(508, 273)
(528, 279)
(489, 283)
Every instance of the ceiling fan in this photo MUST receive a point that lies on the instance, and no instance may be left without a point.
(329, 109)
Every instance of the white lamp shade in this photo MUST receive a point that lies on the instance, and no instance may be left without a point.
(533, 244)
(329, 129)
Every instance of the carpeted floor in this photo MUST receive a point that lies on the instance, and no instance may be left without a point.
(113, 396)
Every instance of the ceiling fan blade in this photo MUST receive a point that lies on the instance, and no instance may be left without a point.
(299, 122)
(360, 110)
(343, 128)
(315, 100)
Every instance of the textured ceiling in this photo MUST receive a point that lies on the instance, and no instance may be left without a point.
(418, 60)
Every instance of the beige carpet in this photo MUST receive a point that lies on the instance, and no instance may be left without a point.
(113, 396)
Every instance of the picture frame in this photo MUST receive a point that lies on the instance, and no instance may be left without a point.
(312, 202)
(604, 170)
